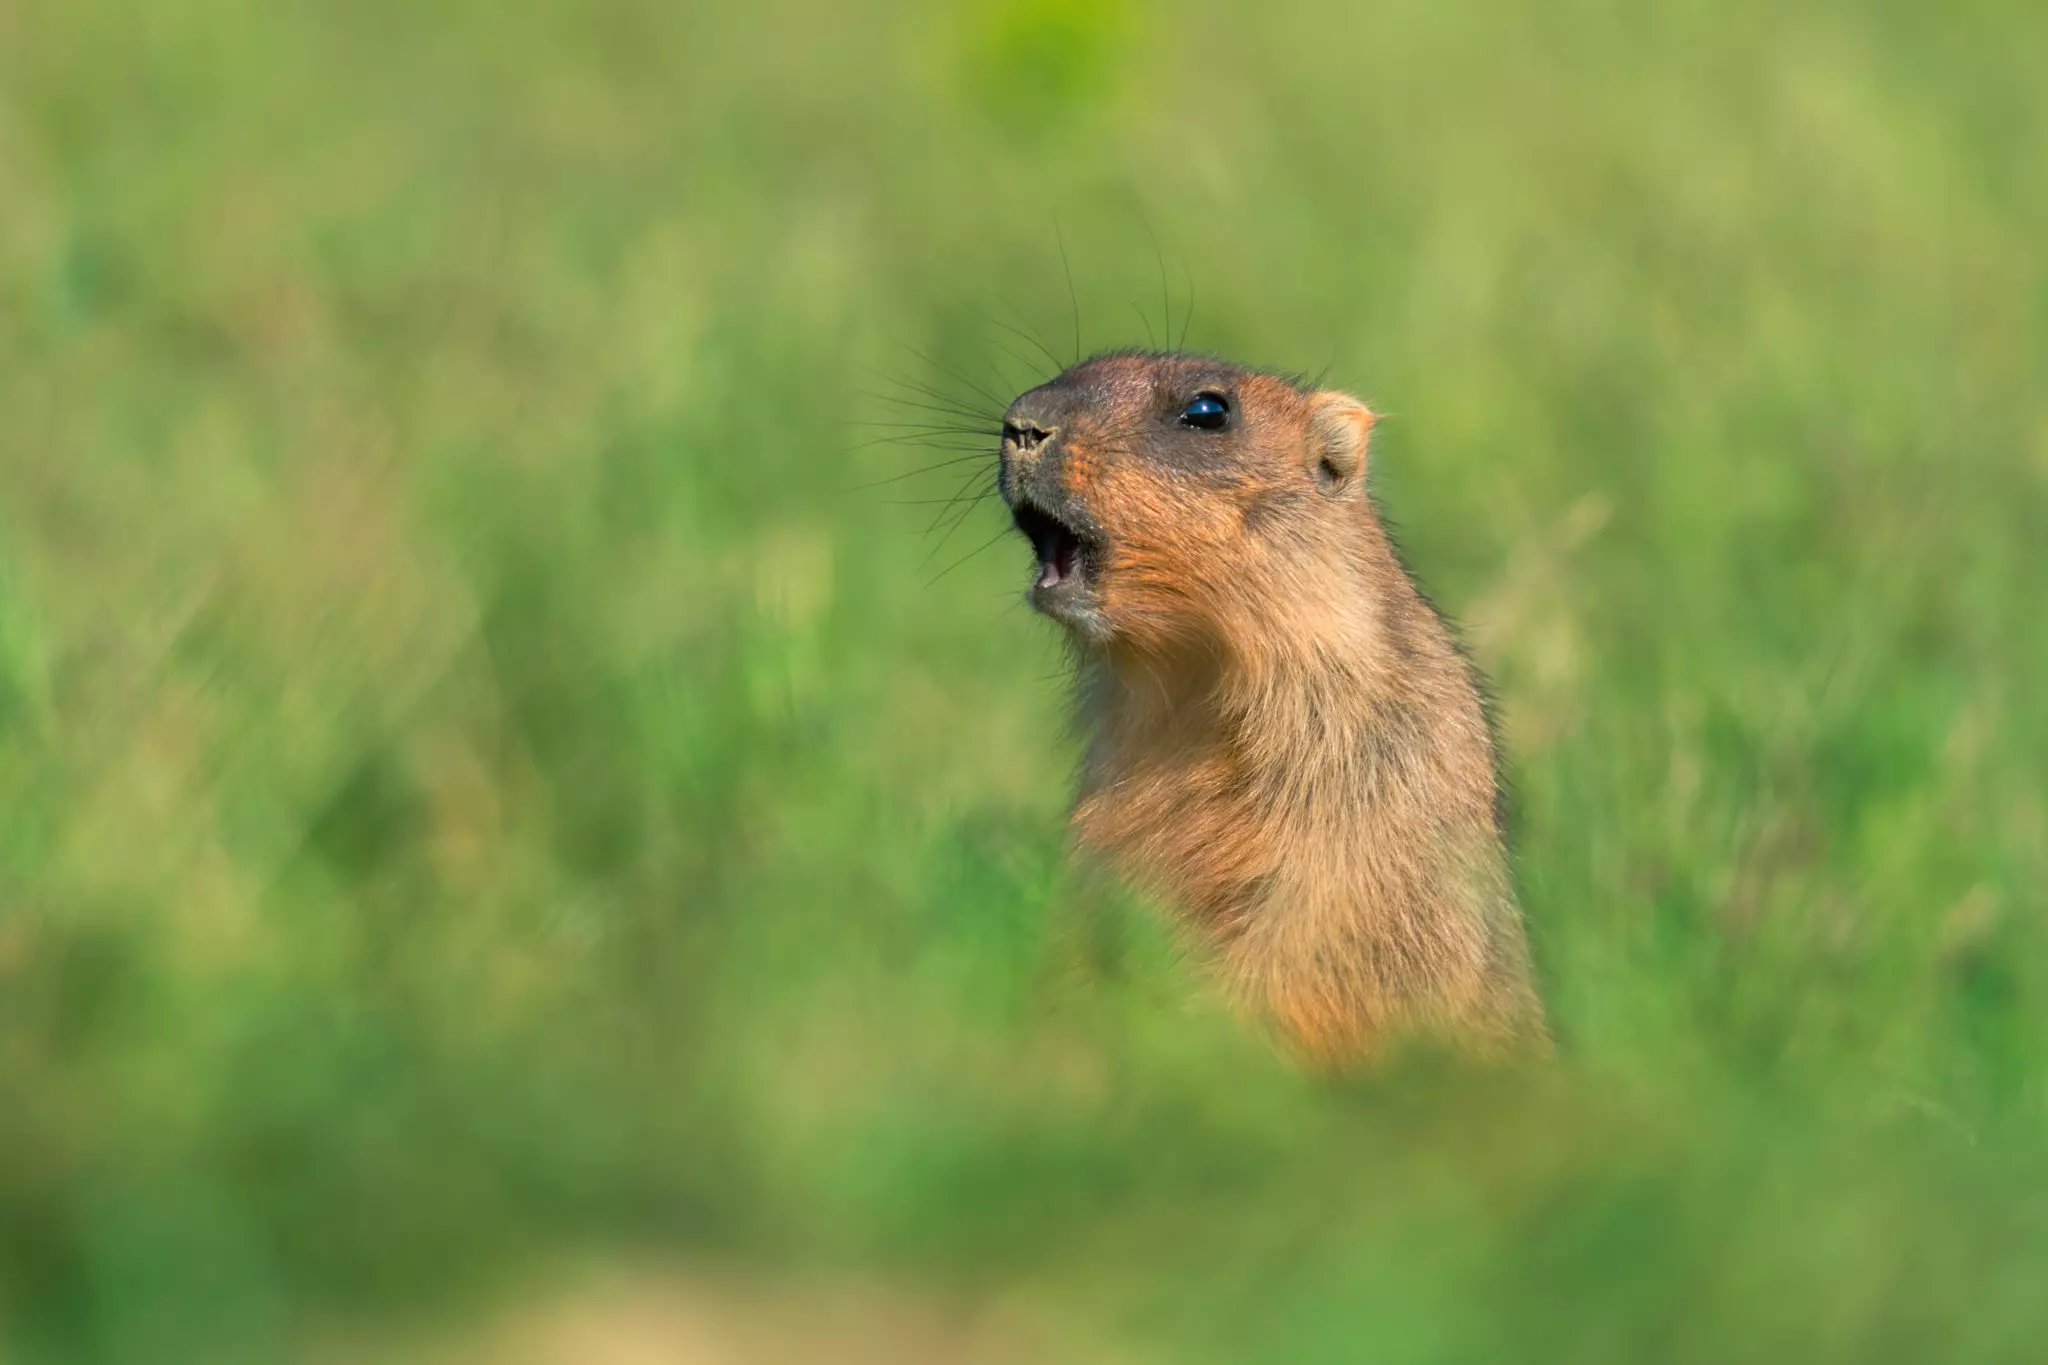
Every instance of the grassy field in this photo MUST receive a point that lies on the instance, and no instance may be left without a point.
(494, 779)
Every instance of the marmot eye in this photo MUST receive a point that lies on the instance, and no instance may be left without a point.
(1207, 411)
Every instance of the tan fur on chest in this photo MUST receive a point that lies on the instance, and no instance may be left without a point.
(1332, 833)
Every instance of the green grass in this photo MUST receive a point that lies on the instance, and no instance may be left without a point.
(483, 781)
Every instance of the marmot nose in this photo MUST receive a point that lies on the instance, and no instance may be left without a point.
(1026, 434)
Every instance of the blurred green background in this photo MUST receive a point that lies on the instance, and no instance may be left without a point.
(495, 785)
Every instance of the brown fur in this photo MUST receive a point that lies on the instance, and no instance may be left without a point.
(1283, 739)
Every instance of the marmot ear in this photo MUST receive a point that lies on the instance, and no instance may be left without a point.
(1337, 429)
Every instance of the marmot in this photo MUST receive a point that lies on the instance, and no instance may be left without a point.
(1282, 738)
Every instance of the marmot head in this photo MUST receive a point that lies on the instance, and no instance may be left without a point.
(1169, 497)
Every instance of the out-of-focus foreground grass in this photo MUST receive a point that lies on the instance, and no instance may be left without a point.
(483, 786)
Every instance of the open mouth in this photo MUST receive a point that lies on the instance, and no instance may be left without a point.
(1059, 549)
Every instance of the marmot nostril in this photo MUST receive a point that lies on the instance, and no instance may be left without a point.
(1024, 435)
